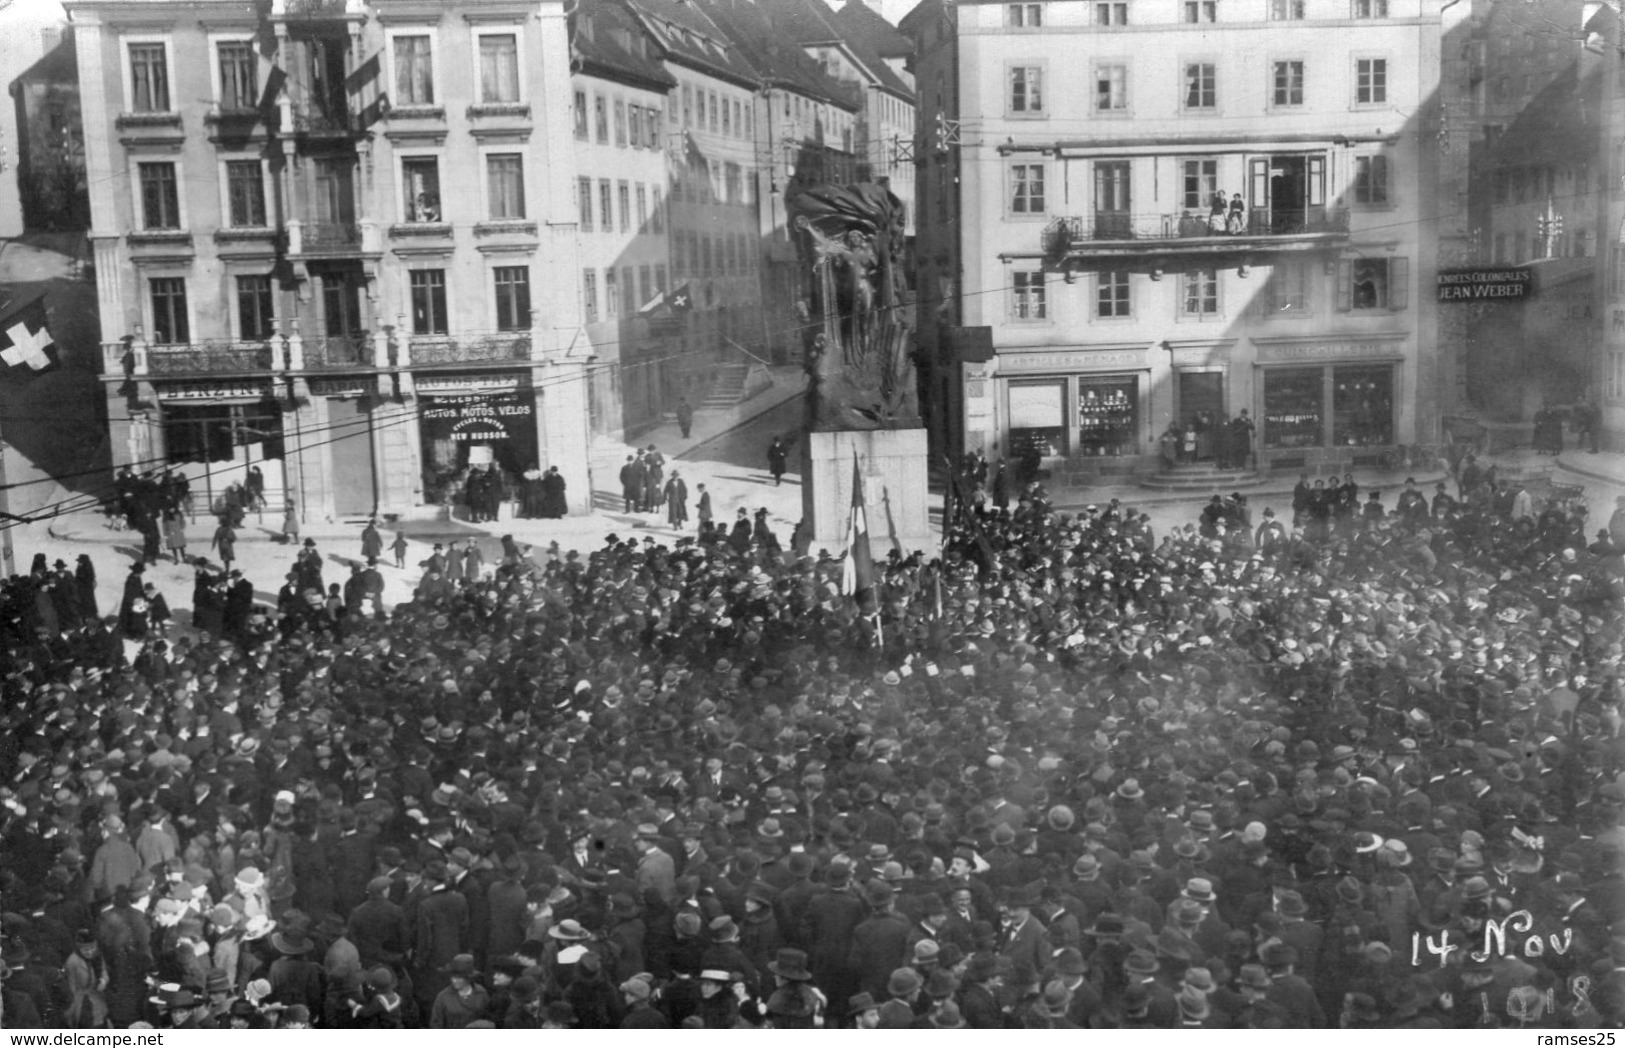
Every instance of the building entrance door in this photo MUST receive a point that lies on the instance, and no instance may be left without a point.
(1201, 403)
(354, 471)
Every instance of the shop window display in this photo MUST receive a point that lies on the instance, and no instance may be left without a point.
(1292, 407)
(1037, 420)
(1107, 416)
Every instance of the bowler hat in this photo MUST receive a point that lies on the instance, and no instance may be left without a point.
(903, 982)
(790, 964)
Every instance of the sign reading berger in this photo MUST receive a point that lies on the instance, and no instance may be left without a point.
(1476, 285)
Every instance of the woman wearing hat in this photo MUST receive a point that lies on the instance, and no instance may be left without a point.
(380, 1008)
(463, 1001)
(795, 1003)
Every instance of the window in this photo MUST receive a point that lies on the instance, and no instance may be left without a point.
(1112, 294)
(499, 67)
(513, 297)
(1615, 389)
(1294, 406)
(505, 173)
(623, 191)
(1024, 16)
(1371, 81)
(1618, 271)
(657, 216)
(1370, 8)
(1026, 89)
(651, 128)
(1287, 290)
(149, 78)
(1371, 180)
(1287, 10)
(1201, 11)
(612, 292)
(660, 278)
(1111, 12)
(1111, 88)
(1288, 83)
(429, 302)
(1201, 298)
(256, 309)
(620, 122)
(170, 326)
(1373, 283)
(581, 115)
(584, 204)
(420, 182)
(1362, 405)
(634, 126)
(713, 99)
(1037, 414)
(589, 294)
(606, 206)
(727, 121)
(239, 87)
(688, 105)
(160, 199)
(1027, 189)
(643, 207)
(414, 70)
(245, 190)
(1201, 85)
(645, 288)
(600, 113)
(1027, 295)
(1201, 182)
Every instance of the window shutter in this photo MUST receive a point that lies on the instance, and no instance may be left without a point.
(1399, 283)
(1345, 285)
(1260, 177)
(1317, 181)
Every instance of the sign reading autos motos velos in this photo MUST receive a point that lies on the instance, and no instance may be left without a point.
(1482, 285)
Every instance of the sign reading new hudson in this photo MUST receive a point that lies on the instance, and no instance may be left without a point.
(1476, 285)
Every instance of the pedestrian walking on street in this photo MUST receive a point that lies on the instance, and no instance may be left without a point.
(685, 415)
(778, 456)
(398, 547)
(632, 484)
(372, 543)
(225, 543)
(290, 524)
(702, 511)
(676, 500)
(175, 533)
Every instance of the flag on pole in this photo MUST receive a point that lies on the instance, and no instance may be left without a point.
(25, 342)
(857, 567)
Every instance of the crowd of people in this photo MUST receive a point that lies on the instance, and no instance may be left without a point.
(1066, 774)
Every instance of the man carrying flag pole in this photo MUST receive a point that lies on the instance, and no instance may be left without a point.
(858, 567)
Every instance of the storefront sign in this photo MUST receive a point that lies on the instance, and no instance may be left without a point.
(1473, 285)
(339, 387)
(1072, 361)
(478, 419)
(213, 390)
(500, 380)
(1329, 351)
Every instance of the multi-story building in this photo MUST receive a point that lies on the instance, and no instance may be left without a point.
(620, 99)
(806, 132)
(846, 48)
(711, 205)
(336, 239)
(1177, 210)
(28, 34)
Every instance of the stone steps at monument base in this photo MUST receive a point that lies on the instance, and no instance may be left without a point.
(728, 387)
(1203, 478)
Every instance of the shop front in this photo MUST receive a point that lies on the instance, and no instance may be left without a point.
(1328, 402)
(1074, 406)
(218, 433)
(478, 421)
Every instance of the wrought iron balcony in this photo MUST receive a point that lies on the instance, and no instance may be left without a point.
(1120, 233)
(447, 349)
(213, 357)
(317, 122)
(331, 237)
(338, 351)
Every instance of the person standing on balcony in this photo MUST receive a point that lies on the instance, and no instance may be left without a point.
(1237, 223)
(1215, 214)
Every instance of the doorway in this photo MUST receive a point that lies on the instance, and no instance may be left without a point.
(354, 469)
(1287, 192)
(1200, 403)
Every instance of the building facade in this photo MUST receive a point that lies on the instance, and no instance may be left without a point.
(1608, 368)
(1172, 211)
(337, 239)
(621, 93)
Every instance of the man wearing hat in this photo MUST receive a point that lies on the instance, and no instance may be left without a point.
(185, 1011)
(1021, 937)
(442, 929)
(826, 927)
(1290, 991)
(295, 977)
(978, 993)
(657, 870)
(641, 1013)
(880, 943)
(725, 953)
(377, 926)
(902, 989)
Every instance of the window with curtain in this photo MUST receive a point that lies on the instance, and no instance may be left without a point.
(513, 297)
(256, 307)
(170, 326)
(1027, 295)
(1111, 88)
(600, 118)
(499, 67)
(1112, 294)
(149, 79)
(1288, 83)
(506, 175)
(1027, 189)
(429, 302)
(160, 199)
(581, 115)
(414, 70)
(606, 206)
(1201, 85)
(238, 81)
(1201, 293)
(589, 294)
(620, 122)
(623, 193)
(246, 190)
(584, 203)
(1371, 180)
(1026, 89)
(612, 292)
(657, 212)
(643, 207)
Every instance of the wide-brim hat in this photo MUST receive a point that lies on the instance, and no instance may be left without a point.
(1199, 889)
(463, 965)
(291, 942)
(569, 930)
(790, 964)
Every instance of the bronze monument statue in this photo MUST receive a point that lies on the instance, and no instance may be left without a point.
(859, 340)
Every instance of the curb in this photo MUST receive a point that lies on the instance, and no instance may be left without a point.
(1567, 465)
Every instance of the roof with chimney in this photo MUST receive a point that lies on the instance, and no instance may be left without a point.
(776, 57)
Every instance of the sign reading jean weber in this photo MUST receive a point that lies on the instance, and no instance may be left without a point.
(1325, 395)
(1478, 285)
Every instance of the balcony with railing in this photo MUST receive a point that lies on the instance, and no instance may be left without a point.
(495, 347)
(213, 357)
(315, 121)
(316, 10)
(1108, 234)
(337, 352)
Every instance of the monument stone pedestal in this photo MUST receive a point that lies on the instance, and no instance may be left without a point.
(895, 468)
